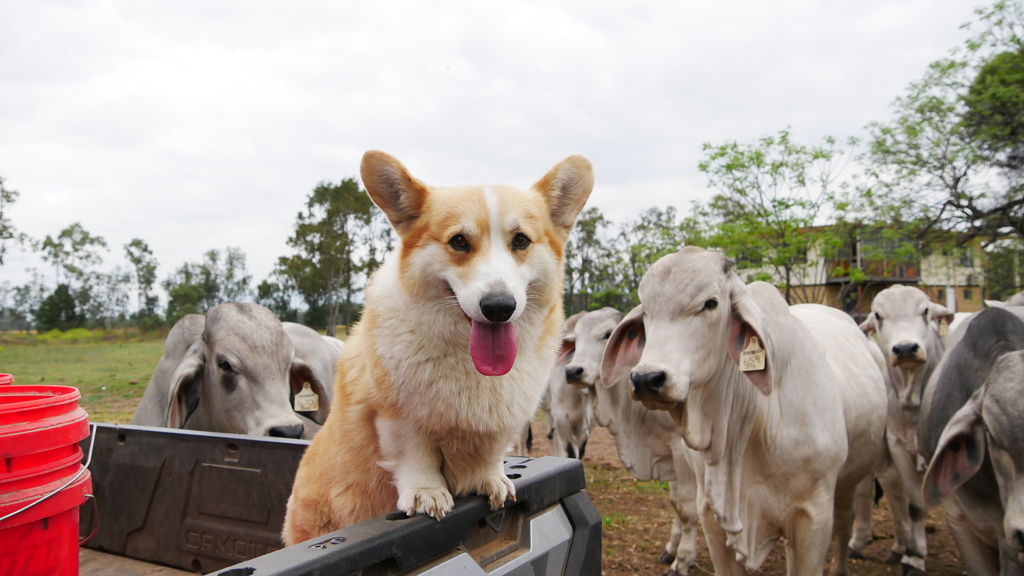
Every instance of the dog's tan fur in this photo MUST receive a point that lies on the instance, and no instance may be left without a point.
(413, 423)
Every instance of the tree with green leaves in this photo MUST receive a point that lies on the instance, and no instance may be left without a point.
(103, 298)
(59, 311)
(144, 265)
(195, 287)
(772, 197)
(72, 252)
(1004, 269)
(592, 265)
(951, 158)
(340, 239)
(654, 233)
(7, 229)
(276, 294)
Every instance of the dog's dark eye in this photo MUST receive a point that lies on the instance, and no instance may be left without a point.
(521, 241)
(710, 304)
(459, 243)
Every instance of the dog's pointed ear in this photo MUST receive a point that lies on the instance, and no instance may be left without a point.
(566, 188)
(392, 188)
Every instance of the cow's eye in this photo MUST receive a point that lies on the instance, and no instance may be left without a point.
(225, 366)
(459, 243)
(607, 335)
(925, 313)
(710, 304)
(521, 241)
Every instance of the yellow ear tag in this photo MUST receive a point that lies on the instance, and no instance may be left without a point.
(307, 400)
(943, 328)
(753, 356)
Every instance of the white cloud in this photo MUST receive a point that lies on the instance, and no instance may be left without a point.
(197, 125)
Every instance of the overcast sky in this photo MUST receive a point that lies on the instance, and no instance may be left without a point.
(197, 125)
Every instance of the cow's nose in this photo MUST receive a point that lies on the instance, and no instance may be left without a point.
(574, 373)
(647, 383)
(905, 350)
(293, 431)
(498, 306)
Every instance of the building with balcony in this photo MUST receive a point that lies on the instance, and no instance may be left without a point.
(849, 278)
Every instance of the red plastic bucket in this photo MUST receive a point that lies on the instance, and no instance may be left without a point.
(6, 379)
(40, 431)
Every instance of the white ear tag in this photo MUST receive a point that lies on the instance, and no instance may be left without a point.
(307, 400)
(753, 356)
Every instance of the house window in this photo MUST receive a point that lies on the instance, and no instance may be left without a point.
(965, 257)
(968, 294)
(940, 294)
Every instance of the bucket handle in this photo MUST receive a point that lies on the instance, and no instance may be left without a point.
(88, 460)
(95, 520)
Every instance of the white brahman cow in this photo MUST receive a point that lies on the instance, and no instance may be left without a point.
(905, 323)
(646, 441)
(784, 405)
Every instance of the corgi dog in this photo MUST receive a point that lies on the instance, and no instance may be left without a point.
(461, 326)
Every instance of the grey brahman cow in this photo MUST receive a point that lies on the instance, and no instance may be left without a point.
(785, 407)
(972, 431)
(646, 440)
(241, 370)
(905, 324)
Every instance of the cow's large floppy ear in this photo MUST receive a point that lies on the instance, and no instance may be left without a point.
(744, 328)
(565, 189)
(393, 189)
(300, 374)
(566, 351)
(939, 313)
(960, 452)
(624, 348)
(870, 325)
(184, 393)
(568, 339)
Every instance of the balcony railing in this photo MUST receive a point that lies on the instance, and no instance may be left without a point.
(877, 270)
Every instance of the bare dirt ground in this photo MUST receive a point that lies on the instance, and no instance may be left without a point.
(637, 520)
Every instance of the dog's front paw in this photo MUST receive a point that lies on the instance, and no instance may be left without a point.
(434, 501)
(498, 489)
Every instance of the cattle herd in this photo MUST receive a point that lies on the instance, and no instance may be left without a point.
(771, 422)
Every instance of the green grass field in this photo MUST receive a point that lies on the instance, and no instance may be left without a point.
(111, 372)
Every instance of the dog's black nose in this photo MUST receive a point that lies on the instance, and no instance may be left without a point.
(498, 306)
(905, 350)
(647, 383)
(294, 431)
(574, 373)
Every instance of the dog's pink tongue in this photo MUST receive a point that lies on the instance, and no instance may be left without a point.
(492, 346)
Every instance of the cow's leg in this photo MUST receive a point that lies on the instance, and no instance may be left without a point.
(912, 513)
(808, 537)
(895, 492)
(862, 505)
(669, 555)
(683, 543)
(723, 557)
(843, 518)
